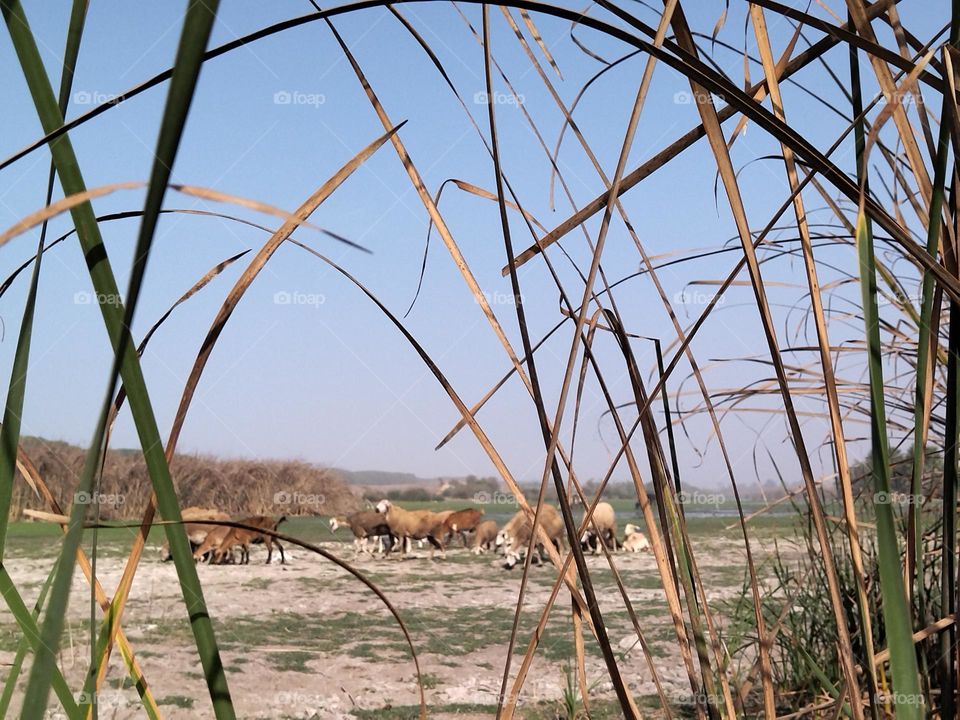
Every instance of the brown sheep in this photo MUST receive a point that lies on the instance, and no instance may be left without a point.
(211, 543)
(196, 533)
(365, 525)
(515, 536)
(461, 521)
(485, 536)
(244, 538)
(414, 525)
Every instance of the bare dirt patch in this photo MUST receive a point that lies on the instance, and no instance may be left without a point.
(306, 639)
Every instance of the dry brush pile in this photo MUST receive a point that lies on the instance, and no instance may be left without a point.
(236, 487)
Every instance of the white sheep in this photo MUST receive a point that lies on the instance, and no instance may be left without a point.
(515, 536)
(602, 528)
(634, 540)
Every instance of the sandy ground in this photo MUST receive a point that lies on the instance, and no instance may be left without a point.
(305, 639)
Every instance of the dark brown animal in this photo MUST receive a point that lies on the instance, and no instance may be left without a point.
(365, 525)
(462, 522)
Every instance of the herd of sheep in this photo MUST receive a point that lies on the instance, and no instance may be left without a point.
(390, 528)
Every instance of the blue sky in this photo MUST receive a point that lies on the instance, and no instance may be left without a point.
(330, 380)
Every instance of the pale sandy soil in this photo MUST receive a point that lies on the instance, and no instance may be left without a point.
(306, 640)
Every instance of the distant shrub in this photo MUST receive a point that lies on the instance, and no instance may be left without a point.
(237, 487)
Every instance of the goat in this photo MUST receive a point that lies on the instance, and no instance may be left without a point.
(414, 525)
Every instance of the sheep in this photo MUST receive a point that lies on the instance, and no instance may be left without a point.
(196, 533)
(634, 540)
(211, 543)
(515, 536)
(461, 521)
(244, 538)
(441, 515)
(414, 525)
(602, 528)
(484, 536)
(365, 525)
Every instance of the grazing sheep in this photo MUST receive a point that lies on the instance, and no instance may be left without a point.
(195, 532)
(461, 521)
(244, 538)
(603, 528)
(634, 540)
(210, 546)
(365, 525)
(484, 536)
(515, 536)
(414, 525)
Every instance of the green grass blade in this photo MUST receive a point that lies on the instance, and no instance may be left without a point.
(948, 575)
(908, 698)
(199, 17)
(31, 632)
(924, 365)
(13, 409)
(22, 647)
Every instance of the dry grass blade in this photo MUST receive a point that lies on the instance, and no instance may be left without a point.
(528, 21)
(226, 310)
(114, 620)
(826, 362)
(61, 206)
(292, 219)
(56, 515)
(715, 136)
(551, 434)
